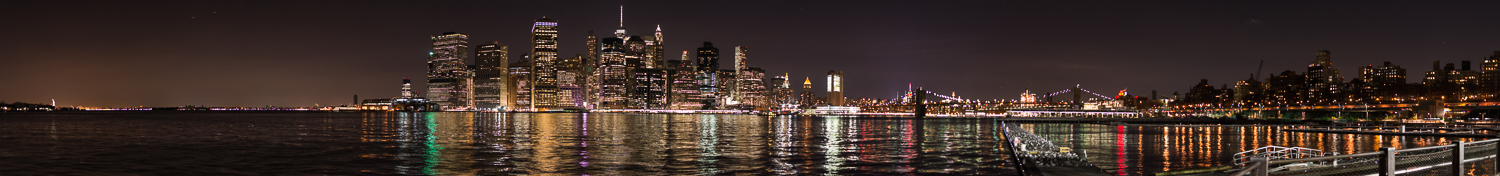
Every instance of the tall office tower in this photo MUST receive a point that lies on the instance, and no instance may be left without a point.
(739, 71)
(726, 79)
(684, 88)
(752, 87)
(592, 78)
(520, 84)
(613, 74)
(708, 75)
(1381, 82)
(781, 91)
(656, 49)
(649, 88)
(490, 85)
(569, 92)
(808, 99)
(449, 81)
(1490, 71)
(708, 57)
(836, 87)
(1323, 81)
(544, 64)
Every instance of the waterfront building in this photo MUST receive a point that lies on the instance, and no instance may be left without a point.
(648, 89)
(490, 85)
(1450, 82)
(753, 89)
(613, 74)
(684, 93)
(808, 99)
(592, 78)
(544, 65)
(1248, 90)
(449, 80)
(735, 94)
(726, 78)
(836, 87)
(781, 91)
(1490, 74)
(520, 84)
(569, 90)
(1323, 81)
(1202, 93)
(1381, 82)
(708, 75)
(1286, 87)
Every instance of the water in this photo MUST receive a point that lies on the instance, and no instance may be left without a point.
(345, 143)
(1146, 150)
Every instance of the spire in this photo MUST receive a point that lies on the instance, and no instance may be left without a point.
(807, 80)
(620, 32)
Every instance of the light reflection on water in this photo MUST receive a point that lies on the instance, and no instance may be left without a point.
(1146, 150)
(218, 143)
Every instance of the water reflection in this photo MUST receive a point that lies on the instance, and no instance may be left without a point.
(679, 144)
(1145, 150)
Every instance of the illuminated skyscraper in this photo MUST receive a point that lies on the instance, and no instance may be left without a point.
(648, 89)
(781, 91)
(449, 81)
(735, 93)
(684, 89)
(520, 85)
(708, 75)
(490, 85)
(569, 92)
(591, 74)
(836, 87)
(544, 64)
(1323, 80)
(752, 87)
(613, 73)
(808, 99)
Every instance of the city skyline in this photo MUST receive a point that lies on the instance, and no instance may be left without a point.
(877, 64)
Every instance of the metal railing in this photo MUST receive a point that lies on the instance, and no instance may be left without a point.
(1431, 160)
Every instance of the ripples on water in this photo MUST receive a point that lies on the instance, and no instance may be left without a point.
(1146, 150)
(292, 143)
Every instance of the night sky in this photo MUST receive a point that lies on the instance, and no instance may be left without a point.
(296, 53)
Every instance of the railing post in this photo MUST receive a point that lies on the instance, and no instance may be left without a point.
(1497, 158)
(1458, 158)
(1387, 161)
(1261, 164)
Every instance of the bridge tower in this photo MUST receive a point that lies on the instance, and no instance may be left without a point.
(920, 98)
(1077, 97)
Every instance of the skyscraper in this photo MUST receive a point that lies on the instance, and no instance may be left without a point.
(592, 78)
(569, 90)
(520, 84)
(708, 75)
(836, 87)
(1323, 80)
(449, 81)
(613, 73)
(684, 89)
(490, 85)
(735, 93)
(544, 64)
(808, 99)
